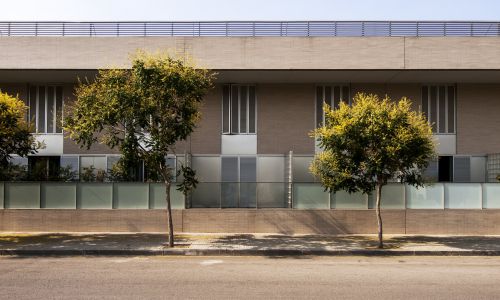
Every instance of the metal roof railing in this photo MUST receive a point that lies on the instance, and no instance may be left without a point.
(253, 28)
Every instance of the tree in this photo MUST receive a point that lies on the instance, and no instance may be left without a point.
(144, 111)
(15, 136)
(369, 143)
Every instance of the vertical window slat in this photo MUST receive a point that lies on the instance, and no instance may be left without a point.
(225, 109)
(345, 95)
(41, 109)
(442, 110)
(252, 107)
(433, 108)
(243, 109)
(51, 109)
(235, 110)
(319, 106)
(32, 107)
(336, 97)
(451, 109)
(59, 109)
(425, 101)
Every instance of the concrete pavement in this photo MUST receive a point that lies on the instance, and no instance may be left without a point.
(242, 244)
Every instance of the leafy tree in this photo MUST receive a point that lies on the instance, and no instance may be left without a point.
(369, 143)
(144, 111)
(15, 137)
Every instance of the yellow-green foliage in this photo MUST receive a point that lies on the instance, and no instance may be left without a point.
(15, 137)
(371, 142)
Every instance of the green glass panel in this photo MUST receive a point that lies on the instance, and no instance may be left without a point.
(157, 197)
(462, 195)
(22, 195)
(206, 194)
(491, 195)
(131, 195)
(310, 196)
(393, 196)
(58, 195)
(345, 200)
(94, 195)
(271, 195)
(428, 197)
(1, 195)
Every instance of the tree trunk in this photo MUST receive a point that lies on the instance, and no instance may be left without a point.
(169, 216)
(379, 217)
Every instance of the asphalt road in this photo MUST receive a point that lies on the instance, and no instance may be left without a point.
(250, 278)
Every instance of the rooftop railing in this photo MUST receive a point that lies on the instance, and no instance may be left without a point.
(253, 28)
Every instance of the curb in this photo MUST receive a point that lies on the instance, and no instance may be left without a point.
(243, 252)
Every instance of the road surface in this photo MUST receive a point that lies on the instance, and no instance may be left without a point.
(250, 278)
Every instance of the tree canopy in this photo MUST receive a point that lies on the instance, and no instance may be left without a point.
(371, 142)
(15, 136)
(144, 111)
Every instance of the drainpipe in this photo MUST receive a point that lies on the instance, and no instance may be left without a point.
(290, 179)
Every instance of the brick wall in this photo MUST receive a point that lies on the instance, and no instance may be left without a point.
(478, 118)
(449, 221)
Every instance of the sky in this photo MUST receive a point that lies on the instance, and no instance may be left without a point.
(234, 10)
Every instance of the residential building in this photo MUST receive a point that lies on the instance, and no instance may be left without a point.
(272, 80)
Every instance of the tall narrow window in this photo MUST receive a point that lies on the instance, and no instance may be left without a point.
(45, 105)
(331, 95)
(238, 109)
(438, 105)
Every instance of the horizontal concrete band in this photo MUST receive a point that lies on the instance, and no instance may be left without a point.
(454, 222)
(247, 53)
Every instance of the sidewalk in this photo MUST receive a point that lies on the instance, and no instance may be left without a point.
(242, 244)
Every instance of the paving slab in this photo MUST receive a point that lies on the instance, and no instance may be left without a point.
(242, 244)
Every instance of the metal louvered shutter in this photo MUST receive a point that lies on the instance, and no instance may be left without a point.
(461, 167)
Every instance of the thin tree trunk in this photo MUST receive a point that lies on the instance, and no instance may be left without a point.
(169, 216)
(379, 217)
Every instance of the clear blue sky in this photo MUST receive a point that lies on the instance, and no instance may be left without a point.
(199, 10)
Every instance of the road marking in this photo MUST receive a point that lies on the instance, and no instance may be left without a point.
(211, 262)
(125, 260)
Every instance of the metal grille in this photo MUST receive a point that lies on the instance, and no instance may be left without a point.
(252, 28)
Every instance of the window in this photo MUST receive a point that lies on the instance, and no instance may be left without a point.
(331, 95)
(238, 109)
(438, 105)
(45, 108)
(41, 168)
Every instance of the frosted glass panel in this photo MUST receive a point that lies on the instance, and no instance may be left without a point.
(98, 162)
(300, 166)
(206, 195)
(58, 195)
(393, 196)
(157, 197)
(428, 197)
(207, 168)
(271, 169)
(462, 195)
(344, 200)
(310, 196)
(271, 195)
(94, 195)
(491, 195)
(248, 195)
(229, 195)
(1, 195)
(131, 195)
(22, 195)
